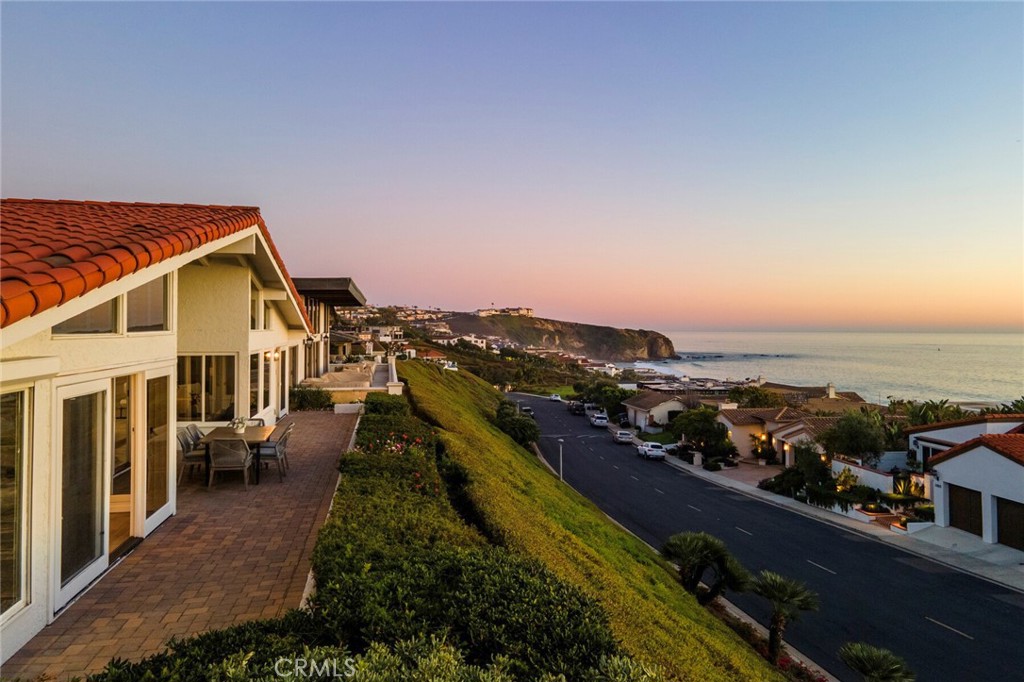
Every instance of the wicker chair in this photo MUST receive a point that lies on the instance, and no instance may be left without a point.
(189, 455)
(277, 450)
(230, 455)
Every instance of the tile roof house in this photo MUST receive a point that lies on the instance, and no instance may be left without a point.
(120, 322)
(746, 423)
(979, 487)
(803, 430)
(653, 409)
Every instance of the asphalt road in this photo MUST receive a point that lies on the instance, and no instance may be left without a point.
(946, 624)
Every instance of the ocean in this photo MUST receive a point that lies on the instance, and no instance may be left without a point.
(966, 368)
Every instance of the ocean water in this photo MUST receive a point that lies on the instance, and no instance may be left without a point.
(962, 367)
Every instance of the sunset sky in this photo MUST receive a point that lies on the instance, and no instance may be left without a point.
(662, 165)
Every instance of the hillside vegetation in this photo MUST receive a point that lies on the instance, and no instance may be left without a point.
(594, 341)
(519, 505)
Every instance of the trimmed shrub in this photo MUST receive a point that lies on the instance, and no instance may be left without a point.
(305, 398)
(377, 430)
(384, 403)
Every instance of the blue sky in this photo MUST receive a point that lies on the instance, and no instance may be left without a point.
(672, 165)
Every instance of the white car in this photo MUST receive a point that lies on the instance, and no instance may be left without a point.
(623, 436)
(555, 398)
(651, 450)
(600, 420)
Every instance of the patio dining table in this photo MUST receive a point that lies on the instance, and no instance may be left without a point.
(253, 436)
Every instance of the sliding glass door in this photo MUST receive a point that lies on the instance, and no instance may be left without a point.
(84, 437)
(157, 450)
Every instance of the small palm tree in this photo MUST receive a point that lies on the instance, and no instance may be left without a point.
(694, 554)
(788, 598)
(875, 664)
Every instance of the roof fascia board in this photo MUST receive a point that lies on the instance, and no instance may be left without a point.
(296, 305)
(30, 326)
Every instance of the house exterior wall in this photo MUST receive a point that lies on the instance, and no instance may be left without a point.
(660, 412)
(740, 435)
(983, 470)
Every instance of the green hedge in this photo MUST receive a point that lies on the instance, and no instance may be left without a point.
(397, 562)
(309, 398)
(384, 403)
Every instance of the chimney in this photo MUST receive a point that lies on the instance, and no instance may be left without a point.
(831, 390)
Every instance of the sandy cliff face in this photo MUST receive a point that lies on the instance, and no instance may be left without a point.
(596, 342)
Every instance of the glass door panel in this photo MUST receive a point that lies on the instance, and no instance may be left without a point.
(82, 486)
(13, 421)
(157, 423)
(121, 466)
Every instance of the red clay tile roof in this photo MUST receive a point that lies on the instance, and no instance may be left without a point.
(52, 251)
(758, 415)
(1010, 445)
(980, 419)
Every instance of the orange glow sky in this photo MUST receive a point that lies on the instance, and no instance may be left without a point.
(658, 165)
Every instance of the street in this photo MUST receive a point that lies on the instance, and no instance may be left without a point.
(946, 624)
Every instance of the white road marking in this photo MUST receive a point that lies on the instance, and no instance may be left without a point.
(659, 491)
(634, 477)
(743, 531)
(692, 507)
(949, 628)
(601, 456)
(821, 567)
(614, 467)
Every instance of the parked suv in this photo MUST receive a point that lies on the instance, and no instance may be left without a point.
(651, 450)
(600, 420)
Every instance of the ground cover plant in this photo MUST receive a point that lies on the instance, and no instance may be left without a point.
(523, 508)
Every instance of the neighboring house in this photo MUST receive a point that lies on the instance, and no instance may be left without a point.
(471, 339)
(320, 296)
(813, 398)
(924, 442)
(119, 322)
(431, 355)
(805, 430)
(979, 487)
(652, 409)
(746, 422)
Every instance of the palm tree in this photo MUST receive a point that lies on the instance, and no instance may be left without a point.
(875, 664)
(788, 598)
(694, 554)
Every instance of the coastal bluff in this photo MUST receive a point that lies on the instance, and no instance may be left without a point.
(594, 341)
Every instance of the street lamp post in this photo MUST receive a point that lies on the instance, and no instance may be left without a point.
(560, 460)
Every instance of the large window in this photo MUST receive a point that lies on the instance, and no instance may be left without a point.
(13, 427)
(81, 531)
(99, 320)
(206, 388)
(254, 306)
(282, 369)
(266, 380)
(147, 307)
(254, 384)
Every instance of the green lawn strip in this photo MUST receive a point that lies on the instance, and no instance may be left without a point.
(530, 512)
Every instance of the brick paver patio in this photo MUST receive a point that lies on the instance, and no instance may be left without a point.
(228, 556)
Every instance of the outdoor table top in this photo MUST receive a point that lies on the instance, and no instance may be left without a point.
(253, 434)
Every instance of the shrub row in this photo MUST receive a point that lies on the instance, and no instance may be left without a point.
(397, 562)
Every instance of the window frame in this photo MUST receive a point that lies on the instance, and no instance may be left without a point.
(203, 365)
(25, 506)
(120, 303)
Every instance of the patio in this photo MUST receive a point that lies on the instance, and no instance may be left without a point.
(185, 577)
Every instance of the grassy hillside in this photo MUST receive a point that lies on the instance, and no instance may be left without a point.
(527, 510)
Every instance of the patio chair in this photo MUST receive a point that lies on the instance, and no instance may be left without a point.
(277, 450)
(189, 455)
(195, 434)
(230, 455)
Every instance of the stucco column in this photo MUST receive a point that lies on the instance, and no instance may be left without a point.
(941, 504)
(989, 531)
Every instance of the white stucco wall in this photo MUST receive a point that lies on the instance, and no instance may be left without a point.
(983, 470)
(740, 435)
(958, 434)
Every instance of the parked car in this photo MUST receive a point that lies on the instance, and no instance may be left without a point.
(651, 450)
(600, 420)
(576, 407)
(555, 398)
(622, 436)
